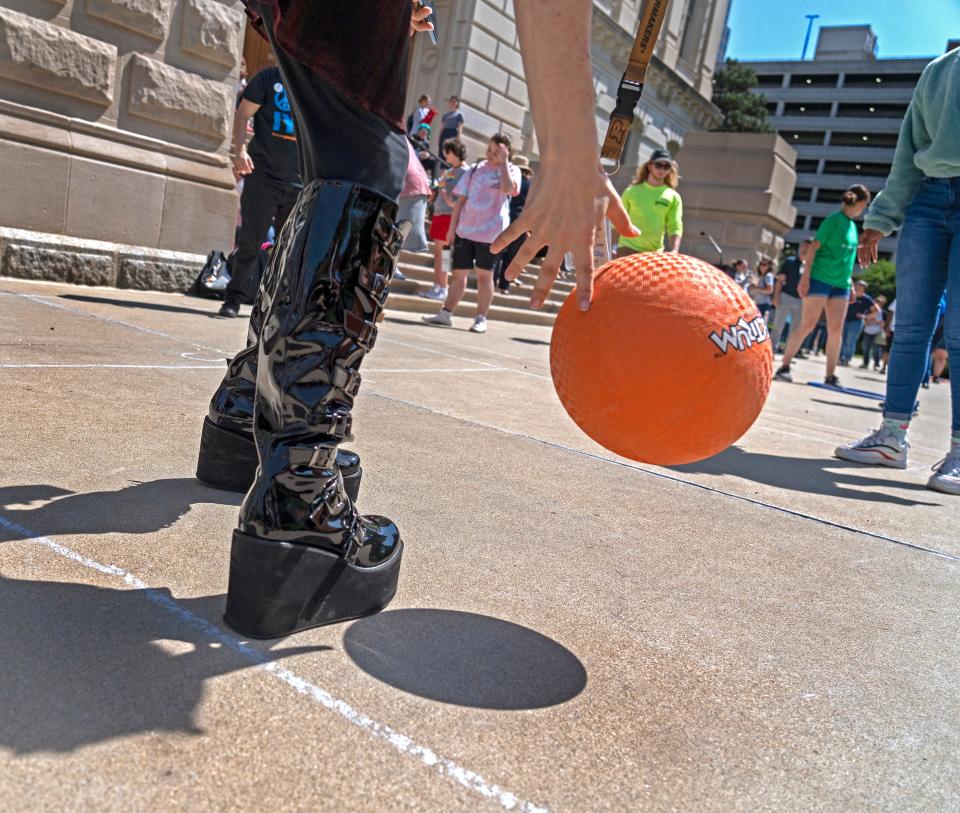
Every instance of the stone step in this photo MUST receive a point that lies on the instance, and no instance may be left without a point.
(522, 289)
(519, 301)
(425, 260)
(399, 301)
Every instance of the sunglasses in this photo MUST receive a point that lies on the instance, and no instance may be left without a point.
(663, 165)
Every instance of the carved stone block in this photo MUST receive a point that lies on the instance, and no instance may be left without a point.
(148, 17)
(212, 30)
(179, 99)
(37, 53)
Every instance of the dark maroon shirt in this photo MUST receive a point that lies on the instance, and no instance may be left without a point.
(361, 46)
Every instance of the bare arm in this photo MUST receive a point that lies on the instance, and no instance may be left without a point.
(242, 163)
(455, 219)
(570, 194)
(507, 184)
(777, 288)
(675, 242)
(803, 287)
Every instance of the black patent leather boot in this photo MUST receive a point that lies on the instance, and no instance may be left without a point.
(302, 555)
(228, 453)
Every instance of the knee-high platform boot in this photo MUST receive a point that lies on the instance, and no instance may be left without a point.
(302, 555)
(228, 452)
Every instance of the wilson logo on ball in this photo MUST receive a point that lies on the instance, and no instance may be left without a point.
(741, 335)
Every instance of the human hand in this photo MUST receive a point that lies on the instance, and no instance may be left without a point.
(867, 250)
(418, 19)
(567, 200)
(503, 154)
(803, 287)
(242, 164)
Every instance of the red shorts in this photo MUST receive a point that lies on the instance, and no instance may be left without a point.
(439, 227)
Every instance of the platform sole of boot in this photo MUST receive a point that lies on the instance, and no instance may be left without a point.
(278, 588)
(228, 460)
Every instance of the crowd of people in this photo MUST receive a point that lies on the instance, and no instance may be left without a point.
(810, 300)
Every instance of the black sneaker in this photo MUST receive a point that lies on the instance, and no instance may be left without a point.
(783, 374)
(833, 381)
(229, 310)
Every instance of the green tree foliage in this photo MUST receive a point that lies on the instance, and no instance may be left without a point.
(743, 111)
(881, 278)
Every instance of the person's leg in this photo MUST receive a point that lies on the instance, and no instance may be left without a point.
(439, 271)
(939, 362)
(849, 341)
(484, 291)
(924, 248)
(458, 287)
(258, 203)
(868, 340)
(780, 315)
(303, 555)
(836, 308)
(809, 316)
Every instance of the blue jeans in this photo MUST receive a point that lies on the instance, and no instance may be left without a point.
(928, 262)
(851, 332)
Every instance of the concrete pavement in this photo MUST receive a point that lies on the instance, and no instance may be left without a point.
(771, 629)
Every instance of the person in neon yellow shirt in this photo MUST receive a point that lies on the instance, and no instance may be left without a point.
(654, 206)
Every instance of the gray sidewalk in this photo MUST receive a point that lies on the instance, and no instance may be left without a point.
(771, 629)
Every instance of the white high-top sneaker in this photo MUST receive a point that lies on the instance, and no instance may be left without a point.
(879, 448)
(946, 473)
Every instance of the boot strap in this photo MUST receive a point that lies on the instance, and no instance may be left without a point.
(337, 425)
(363, 331)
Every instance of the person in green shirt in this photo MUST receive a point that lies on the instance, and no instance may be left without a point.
(654, 206)
(830, 258)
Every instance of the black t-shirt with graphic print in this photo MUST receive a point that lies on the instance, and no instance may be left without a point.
(273, 147)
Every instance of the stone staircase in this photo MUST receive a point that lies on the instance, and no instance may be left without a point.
(514, 307)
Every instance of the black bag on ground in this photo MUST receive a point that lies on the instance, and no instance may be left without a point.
(213, 278)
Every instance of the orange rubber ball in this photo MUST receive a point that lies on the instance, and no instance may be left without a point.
(671, 364)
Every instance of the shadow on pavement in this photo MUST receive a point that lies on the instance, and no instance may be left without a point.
(465, 659)
(139, 508)
(528, 341)
(81, 664)
(129, 303)
(872, 410)
(803, 474)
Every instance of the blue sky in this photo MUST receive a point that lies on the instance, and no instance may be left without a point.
(775, 29)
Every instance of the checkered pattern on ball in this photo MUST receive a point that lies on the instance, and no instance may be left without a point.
(671, 364)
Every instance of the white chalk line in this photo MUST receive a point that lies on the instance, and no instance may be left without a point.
(661, 475)
(43, 300)
(113, 366)
(396, 739)
(462, 358)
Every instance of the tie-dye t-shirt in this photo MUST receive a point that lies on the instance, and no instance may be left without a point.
(486, 212)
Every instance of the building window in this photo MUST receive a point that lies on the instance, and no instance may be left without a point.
(803, 193)
(866, 168)
(806, 109)
(872, 111)
(815, 223)
(800, 222)
(814, 80)
(689, 39)
(803, 136)
(808, 165)
(770, 80)
(886, 81)
(863, 139)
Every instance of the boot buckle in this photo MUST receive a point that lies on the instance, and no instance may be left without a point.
(363, 331)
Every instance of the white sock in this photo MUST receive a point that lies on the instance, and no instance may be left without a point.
(897, 426)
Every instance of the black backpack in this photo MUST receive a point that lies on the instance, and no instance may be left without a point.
(213, 278)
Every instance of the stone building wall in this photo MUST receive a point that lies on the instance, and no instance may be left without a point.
(115, 118)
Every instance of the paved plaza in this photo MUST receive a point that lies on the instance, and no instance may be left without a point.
(771, 629)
